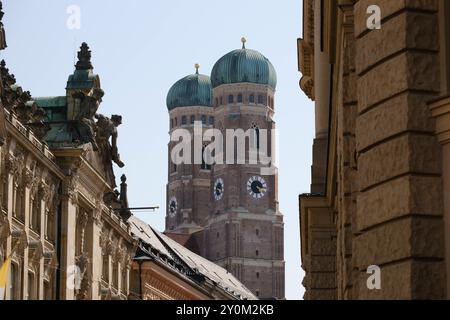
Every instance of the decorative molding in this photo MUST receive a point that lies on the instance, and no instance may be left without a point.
(440, 110)
(305, 48)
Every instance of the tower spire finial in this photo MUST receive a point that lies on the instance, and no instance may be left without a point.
(84, 58)
(197, 66)
(243, 40)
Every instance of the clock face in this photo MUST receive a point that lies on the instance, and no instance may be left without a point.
(218, 189)
(173, 207)
(256, 187)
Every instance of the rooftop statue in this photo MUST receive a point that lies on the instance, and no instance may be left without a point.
(106, 129)
(89, 105)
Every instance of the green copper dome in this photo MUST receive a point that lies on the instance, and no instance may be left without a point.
(193, 90)
(243, 65)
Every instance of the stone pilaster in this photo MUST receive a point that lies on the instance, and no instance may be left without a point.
(68, 236)
(399, 205)
(347, 105)
(441, 112)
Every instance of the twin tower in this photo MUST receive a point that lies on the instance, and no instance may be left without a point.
(228, 213)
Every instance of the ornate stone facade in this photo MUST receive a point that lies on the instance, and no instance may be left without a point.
(380, 179)
(54, 219)
(62, 220)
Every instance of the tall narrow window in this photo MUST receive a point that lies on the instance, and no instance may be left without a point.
(105, 267)
(230, 99)
(252, 98)
(203, 119)
(204, 165)
(239, 98)
(31, 286)
(260, 99)
(256, 136)
(183, 120)
(13, 282)
(192, 119)
(124, 284)
(115, 275)
(211, 121)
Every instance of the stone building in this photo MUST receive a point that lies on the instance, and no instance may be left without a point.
(61, 216)
(228, 213)
(68, 230)
(380, 170)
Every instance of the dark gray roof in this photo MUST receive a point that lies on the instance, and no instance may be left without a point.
(172, 249)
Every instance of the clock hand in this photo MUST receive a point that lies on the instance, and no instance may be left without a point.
(261, 189)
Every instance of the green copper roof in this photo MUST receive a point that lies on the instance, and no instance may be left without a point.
(243, 65)
(193, 90)
(55, 107)
(51, 102)
(82, 79)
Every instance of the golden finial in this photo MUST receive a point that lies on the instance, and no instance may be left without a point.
(243, 40)
(197, 66)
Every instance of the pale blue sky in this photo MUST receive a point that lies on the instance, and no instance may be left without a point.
(139, 49)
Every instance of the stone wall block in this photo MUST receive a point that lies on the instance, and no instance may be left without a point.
(388, 8)
(398, 198)
(410, 153)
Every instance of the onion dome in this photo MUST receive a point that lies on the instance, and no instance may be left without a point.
(193, 90)
(243, 65)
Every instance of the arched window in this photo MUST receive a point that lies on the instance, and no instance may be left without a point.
(211, 121)
(260, 99)
(230, 98)
(239, 99)
(192, 119)
(183, 120)
(203, 119)
(256, 136)
(252, 98)
(204, 165)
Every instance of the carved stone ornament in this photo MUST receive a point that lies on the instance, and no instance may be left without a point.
(28, 178)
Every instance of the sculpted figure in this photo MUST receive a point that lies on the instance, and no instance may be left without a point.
(89, 105)
(107, 128)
